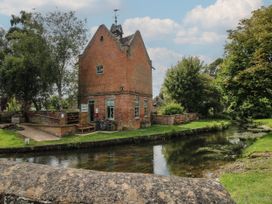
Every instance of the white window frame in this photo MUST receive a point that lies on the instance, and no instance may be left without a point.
(145, 107)
(137, 107)
(110, 105)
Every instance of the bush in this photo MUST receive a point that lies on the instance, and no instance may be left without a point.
(13, 105)
(171, 109)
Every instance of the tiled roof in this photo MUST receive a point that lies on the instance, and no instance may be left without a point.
(126, 41)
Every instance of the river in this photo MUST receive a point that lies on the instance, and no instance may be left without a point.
(192, 156)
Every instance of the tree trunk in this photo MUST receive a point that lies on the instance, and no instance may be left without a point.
(25, 109)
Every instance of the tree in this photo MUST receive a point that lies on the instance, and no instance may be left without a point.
(3, 45)
(186, 84)
(183, 84)
(246, 75)
(213, 68)
(3, 51)
(66, 35)
(26, 70)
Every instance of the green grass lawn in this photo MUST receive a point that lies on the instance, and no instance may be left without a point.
(267, 122)
(249, 187)
(10, 139)
(263, 144)
(99, 136)
(254, 183)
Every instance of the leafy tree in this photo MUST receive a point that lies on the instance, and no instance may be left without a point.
(183, 84)
(211, 101)
(196, 91)
(66, 35)
(213, 68)
(246, 75)
(26, 69)
(3, 45)
(3, 51)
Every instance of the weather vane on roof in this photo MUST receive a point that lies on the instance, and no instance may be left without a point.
(115, 15)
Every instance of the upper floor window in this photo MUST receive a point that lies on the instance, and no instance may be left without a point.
(99, 69)
(137, 107)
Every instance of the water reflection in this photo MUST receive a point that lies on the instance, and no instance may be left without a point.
(191, 156)
(159, 162)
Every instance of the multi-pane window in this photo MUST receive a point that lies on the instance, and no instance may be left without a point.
(110, 109)
(137, 107)
(145, 107)
(99, 69)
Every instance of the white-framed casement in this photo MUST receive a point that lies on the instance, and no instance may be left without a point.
(137, 107)
(145, 107)
(110, 108)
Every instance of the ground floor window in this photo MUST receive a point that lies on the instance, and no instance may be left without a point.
(110, 109)
(145, 107)
(137, 107)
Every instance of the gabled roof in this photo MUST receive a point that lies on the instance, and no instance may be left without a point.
(126, 41)
(123, 42)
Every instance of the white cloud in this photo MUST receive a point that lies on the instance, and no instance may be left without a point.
(163, 55)
(150, 27)
(8, 7)
(162, 59)
(223, 13)
(195, 36)
(207, 25)
(202, 25)
(93, 30)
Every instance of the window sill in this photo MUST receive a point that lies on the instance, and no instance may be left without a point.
(137, 118)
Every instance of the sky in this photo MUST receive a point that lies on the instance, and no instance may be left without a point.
(170, 29)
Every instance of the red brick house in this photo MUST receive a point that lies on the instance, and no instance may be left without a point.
(115, 79)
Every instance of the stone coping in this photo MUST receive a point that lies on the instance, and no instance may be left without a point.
(36, 183)
(112, 142)
(47, 125)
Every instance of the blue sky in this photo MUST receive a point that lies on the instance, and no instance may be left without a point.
(171, 29)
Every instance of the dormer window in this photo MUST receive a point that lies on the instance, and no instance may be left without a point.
(99, 69)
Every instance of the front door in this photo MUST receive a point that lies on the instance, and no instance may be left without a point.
(91, 111)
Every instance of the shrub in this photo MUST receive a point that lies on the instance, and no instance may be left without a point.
(13, 105)
(171, 109)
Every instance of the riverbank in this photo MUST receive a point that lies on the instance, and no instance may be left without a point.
(12, 142)
(249, 179)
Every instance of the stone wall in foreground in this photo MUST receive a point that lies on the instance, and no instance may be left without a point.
(34, 183)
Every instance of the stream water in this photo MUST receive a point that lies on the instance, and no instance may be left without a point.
(194, 156)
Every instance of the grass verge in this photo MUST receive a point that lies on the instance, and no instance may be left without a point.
(249, 187)
(267, 122)
(250, 180)
(10, 139)
(100, 136)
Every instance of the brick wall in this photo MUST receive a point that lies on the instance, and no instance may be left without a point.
(124, 110)
(57, 130)
(127, 73)
(174, 119)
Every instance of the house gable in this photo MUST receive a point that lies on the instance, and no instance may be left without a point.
(125, 61)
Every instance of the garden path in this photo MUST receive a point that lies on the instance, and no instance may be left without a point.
(37, 135)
